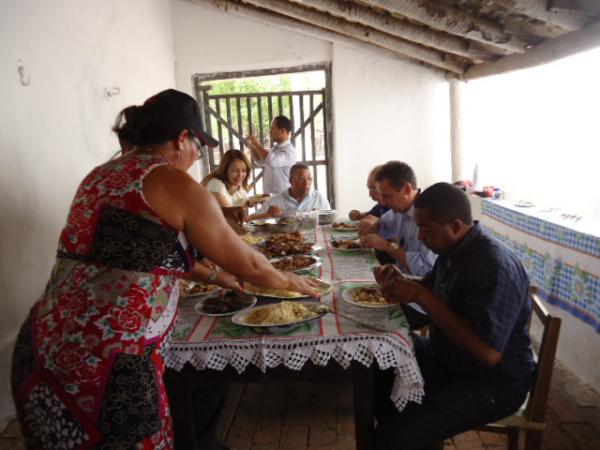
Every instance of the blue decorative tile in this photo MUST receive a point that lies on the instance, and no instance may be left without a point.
(566, 286)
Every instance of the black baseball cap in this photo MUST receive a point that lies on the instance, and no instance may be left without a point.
(169, 112)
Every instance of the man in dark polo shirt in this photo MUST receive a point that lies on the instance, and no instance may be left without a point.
(477, 362)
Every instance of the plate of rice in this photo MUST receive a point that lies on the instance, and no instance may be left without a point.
(282, 314)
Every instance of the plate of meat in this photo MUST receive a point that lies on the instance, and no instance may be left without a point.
(296, 263)
(225, 303)
(285, 244)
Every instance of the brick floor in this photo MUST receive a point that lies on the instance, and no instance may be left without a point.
(319, 416)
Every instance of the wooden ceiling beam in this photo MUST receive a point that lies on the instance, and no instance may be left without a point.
(538, 9)
(587, 7)
(520, 25)
(453, 21)
(561, 47)
(294, 26)
(351, 12)
(359, 32)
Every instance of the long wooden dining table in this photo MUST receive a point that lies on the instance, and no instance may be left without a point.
(214, 348)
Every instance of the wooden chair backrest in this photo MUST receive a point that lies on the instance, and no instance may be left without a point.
(536, 405)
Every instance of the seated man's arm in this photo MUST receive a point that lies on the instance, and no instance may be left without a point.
(368, 225)
(355, 214)
(459, 330)
(419, 262)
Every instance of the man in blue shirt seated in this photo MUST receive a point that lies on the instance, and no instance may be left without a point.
(477, 362)
(298, 197)
(395, 233)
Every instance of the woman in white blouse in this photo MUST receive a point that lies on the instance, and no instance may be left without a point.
(230, 183)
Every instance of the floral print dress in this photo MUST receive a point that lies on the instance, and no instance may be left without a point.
(87, 366)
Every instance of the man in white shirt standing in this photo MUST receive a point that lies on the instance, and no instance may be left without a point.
(278, 160)
(300, 196)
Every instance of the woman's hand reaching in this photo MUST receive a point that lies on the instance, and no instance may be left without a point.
(300, 284)
(228, 281)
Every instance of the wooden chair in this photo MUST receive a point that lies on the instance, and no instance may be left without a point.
(530, 418)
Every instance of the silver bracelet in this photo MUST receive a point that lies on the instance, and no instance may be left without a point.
(213, 275)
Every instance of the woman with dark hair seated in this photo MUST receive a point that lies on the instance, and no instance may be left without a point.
(230, 184)
(87, 367)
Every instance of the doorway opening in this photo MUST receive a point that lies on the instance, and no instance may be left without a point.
(235, 104)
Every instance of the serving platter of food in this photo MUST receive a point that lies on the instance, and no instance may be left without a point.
(350, 245)
(344, 226)
(193, 289)
(366, 296)
(323, 287)
(224, 303)
(296, 263)
(251, 289)
(258, 198)
(285, 244)
(280, 314)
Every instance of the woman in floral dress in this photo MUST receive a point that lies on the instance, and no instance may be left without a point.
(87, 366)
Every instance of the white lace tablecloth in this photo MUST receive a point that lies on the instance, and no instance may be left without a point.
(214, 343)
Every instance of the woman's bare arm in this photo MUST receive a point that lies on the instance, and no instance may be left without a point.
(187, 206)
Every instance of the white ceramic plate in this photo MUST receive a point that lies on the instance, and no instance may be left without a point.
(351, 227)
(348, 293)
(253, 239)
(200, 294)
(338, 249)
(310, 268)
(263, 222)
(199, 307)
(240, 317)
(259, 198)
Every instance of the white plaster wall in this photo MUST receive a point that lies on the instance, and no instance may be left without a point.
(57, 128)
(207, 40)
(384, 109)
(534, 133)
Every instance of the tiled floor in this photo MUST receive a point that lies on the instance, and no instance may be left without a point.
(319, 416)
